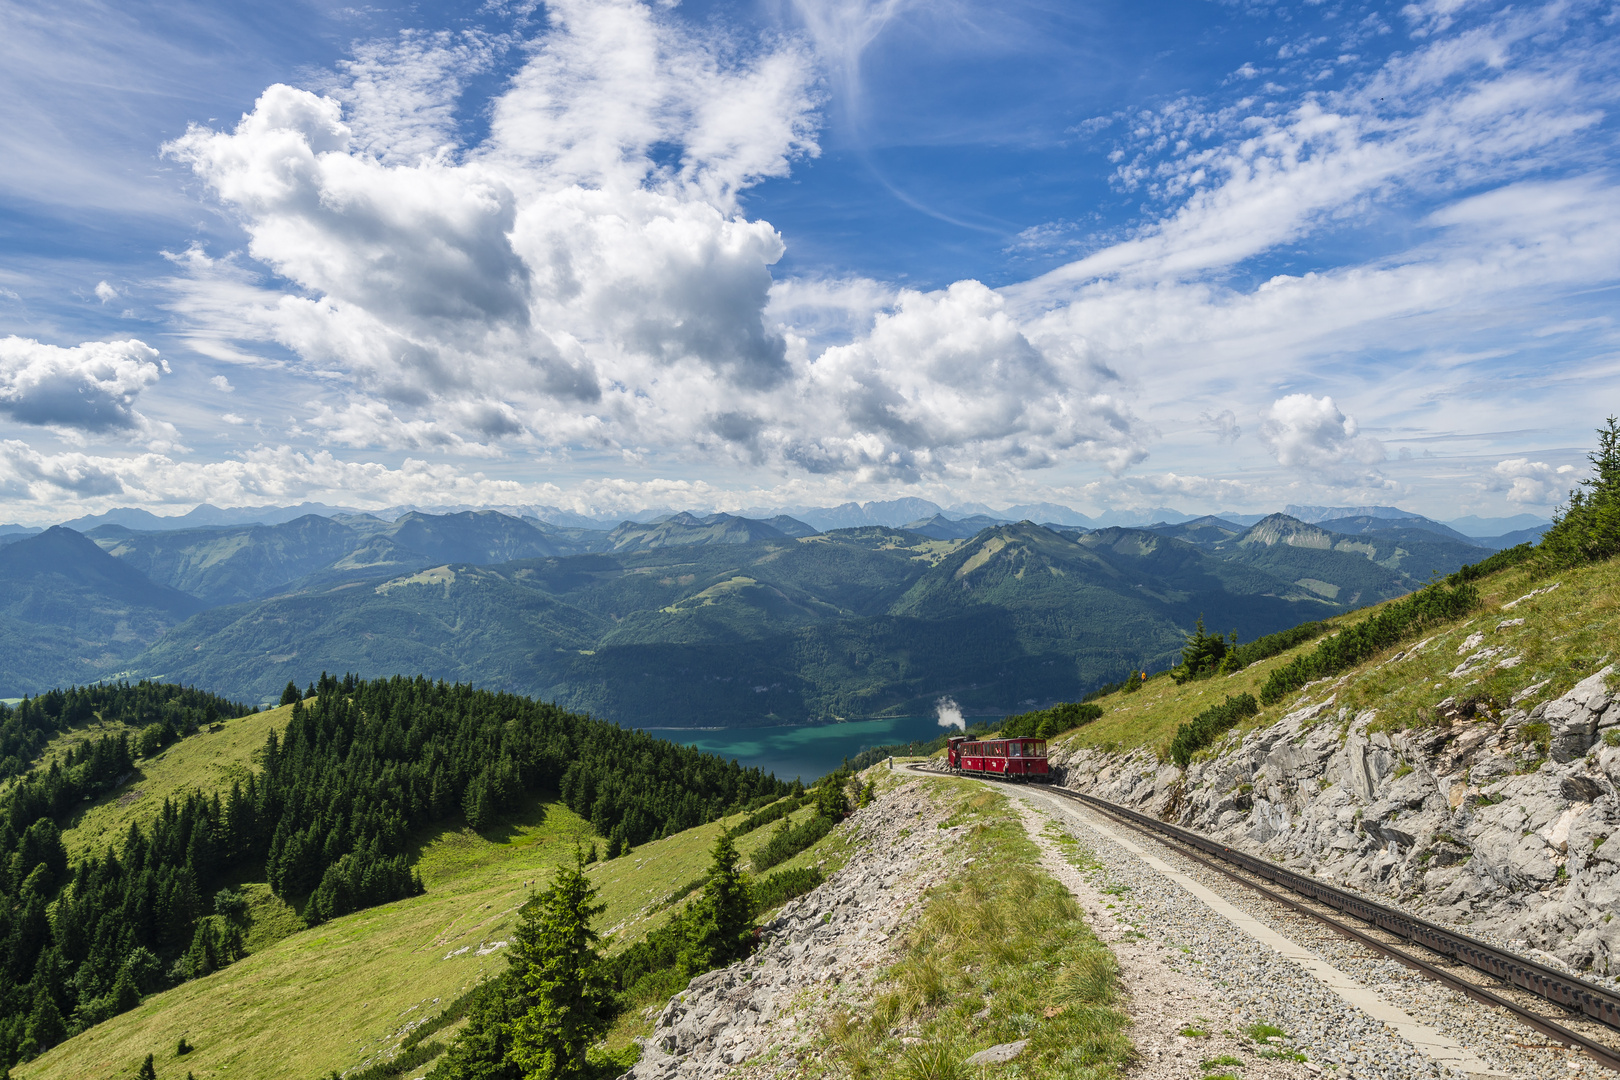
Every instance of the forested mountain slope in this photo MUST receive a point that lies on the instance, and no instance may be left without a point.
(330, 813)
(69, 612)
(848, 623)
(683, 621)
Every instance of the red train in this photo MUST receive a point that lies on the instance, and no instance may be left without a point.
(1020, 759)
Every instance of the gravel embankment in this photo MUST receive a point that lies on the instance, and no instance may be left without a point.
(1261, 986)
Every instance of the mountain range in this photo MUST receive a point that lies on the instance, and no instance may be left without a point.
(895, 513)
(715, 620)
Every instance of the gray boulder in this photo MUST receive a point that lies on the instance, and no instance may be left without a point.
(1575, 717)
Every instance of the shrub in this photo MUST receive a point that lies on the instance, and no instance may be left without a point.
(1209, 725)
(784, 885)
(776, 810)
(1501, 560)
(1396, 622)
(1049, 723)
(1203, 654)
(789, 840)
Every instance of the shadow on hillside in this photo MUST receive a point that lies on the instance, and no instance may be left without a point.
(519, 827)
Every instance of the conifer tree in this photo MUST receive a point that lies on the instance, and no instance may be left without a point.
(148, 1070)
(45, 1027)
(559, 969)
(722, 920)
(126, 995)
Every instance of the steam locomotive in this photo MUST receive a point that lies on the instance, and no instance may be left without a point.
(1011, 759)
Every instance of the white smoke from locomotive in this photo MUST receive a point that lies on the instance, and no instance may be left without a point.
(949, 714)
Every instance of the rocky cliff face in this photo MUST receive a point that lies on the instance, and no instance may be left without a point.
(1496, 820)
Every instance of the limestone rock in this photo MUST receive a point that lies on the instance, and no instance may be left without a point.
(998, 1054)
(1475, 828)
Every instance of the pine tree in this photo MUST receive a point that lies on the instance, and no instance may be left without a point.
(554, 952)
(45, 1027)
(148, 1070)
(126, 995)
(722, 928)
(483, 1050)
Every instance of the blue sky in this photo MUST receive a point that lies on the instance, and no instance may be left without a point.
(602, 254)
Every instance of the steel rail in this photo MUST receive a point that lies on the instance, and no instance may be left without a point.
(1563, 989)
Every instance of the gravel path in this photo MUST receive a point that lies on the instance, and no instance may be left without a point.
(1258, 986)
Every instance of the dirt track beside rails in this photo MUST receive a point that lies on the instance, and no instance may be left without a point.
(1162, 1000)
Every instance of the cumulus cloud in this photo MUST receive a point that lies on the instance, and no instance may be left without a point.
(574, 281)
(1531, 483)
(91, 387)
(222, 384)
(585, 277)
(1306, 432)
(105, 292)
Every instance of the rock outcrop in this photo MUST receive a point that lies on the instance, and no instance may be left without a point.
(1496, 818)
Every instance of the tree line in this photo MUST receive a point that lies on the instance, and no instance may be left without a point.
(561, 993)
(328, 816)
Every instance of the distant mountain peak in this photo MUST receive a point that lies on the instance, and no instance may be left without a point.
(1286, 529)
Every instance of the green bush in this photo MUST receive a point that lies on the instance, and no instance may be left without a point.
(1203, 654)
(1397, 622)
(1209, 725)
(1049, 723)
(784, 885)
(778, 809)
(1501, 560)
(788, 840)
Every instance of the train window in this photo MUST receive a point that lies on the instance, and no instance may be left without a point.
(1017, 749)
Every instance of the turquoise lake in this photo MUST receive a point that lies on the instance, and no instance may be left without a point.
(808, 751)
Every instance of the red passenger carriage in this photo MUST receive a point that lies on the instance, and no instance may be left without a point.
(1019, 759)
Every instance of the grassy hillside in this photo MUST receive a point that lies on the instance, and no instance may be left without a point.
(310, 1001)
(207, 761)
(1566, 634)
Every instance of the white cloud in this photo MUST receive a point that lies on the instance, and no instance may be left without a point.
(105, 292)
(1306, 432)
(584, 280)
(1531, 483)
(400, 95)
(572, 282)
(91, 387)
(949, 714)
(222, 384)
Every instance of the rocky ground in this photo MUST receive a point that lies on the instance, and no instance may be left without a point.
(1498, 820)
(1194, 984)
(1187, 966)
(762, 1017)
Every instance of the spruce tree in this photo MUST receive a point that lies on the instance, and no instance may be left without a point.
(148, 1070)
(722, 928)
(559, 969)
(45, 1027)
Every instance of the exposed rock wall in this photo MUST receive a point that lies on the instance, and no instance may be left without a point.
(1487, 821)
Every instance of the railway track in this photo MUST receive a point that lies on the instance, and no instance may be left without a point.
(1460, 955)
